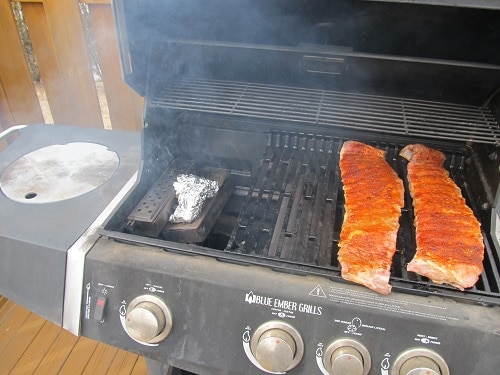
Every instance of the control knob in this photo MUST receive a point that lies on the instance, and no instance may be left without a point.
(347, 357)
(148, 319)
(420, 361)
(277, 346)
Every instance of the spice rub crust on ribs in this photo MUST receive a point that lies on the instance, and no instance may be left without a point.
(450, 247)
(374, 196)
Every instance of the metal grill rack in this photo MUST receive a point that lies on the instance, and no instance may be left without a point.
(294, 211)
(390, 115)
(290, 216)
(290, 210)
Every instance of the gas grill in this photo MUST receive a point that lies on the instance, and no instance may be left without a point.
(260, 98)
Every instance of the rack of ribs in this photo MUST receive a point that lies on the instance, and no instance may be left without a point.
(374, 196)
(450, 247)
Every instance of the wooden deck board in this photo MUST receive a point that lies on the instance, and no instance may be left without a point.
(79, 357)
(31, 345)
(125, 363)
(20, 342)
(5, 309)
(11, 325)
(101, 360)
(37, 349)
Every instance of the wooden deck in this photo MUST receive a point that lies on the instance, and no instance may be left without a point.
(31, 345)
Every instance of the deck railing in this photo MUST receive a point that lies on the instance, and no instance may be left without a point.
(69, 92)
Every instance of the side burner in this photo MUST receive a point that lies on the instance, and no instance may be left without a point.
(68, 175)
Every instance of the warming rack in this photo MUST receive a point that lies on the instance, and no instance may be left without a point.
(389, 115)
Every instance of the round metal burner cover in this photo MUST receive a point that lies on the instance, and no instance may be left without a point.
(58, 172)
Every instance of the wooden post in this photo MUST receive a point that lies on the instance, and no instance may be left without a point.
(58, 37)
(18, 100)
(125, 105)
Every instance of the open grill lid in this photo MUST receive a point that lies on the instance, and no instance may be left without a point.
(417, 51)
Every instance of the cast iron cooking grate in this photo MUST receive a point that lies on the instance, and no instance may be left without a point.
(288, 217)
(293, 212)
(390, 115)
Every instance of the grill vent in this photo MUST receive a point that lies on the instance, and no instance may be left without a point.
(390, 115)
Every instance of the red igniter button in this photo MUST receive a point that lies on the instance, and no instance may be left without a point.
(99, 308)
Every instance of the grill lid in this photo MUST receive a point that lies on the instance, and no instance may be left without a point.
(346, 45)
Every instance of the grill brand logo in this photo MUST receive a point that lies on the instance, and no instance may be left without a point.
(280, 307)
(258, 300)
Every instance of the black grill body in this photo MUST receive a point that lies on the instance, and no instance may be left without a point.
(266, 93)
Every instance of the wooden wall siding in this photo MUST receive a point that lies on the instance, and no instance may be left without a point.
(18, 100)
(59, 42)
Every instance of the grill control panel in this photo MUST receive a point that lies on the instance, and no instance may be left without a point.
(216, 318)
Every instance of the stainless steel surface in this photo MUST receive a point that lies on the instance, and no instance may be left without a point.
(346, 361)
(420, 366)
(484, 4)
(277, 346)
(58, 172)
(418, 361)
(148, 319)
(153, 211)
(336, 357)
(145, 321)
(275, 350)
(156, 206)
(10, 130)
(392, 115)
(75, 264)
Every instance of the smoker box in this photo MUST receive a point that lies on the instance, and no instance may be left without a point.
(41, 220)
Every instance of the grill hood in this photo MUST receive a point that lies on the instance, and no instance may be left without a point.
(434, 52)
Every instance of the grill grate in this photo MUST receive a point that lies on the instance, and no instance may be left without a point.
(288, 216)
(293, 212)
(390, 115)
(290, 209)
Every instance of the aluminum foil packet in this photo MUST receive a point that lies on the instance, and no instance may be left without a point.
(192, 192)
